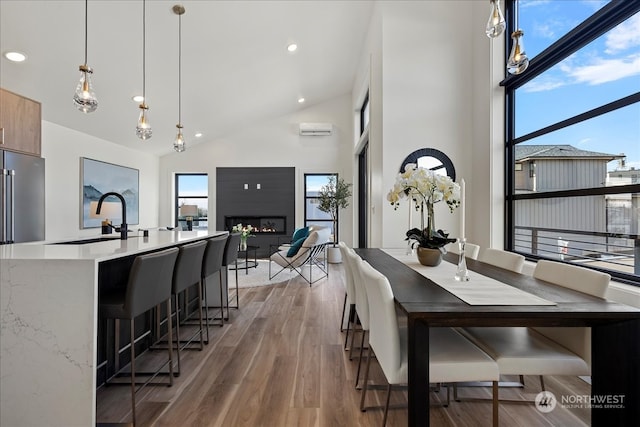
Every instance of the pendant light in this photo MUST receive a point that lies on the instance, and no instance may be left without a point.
(84, 98)
(143, 129)
(518, 60)
(496, 23)
(179, 144)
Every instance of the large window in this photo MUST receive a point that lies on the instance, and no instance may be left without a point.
(313, 182)
(573, 136)
(192, 200)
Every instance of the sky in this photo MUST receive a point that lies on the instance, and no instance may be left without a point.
(605, 70)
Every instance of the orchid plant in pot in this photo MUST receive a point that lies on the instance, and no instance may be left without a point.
(425, 188)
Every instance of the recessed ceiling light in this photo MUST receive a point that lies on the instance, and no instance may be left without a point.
(292, 47)
(15, 56)
(198, 135)
(300, 100)
(138, 98)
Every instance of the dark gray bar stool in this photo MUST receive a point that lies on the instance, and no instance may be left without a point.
(211, 264)
(149, 284)
(231, 257)
(187, 273)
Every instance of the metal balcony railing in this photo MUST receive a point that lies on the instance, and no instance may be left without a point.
(615, 253)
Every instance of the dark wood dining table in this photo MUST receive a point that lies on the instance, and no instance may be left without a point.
(615, 330)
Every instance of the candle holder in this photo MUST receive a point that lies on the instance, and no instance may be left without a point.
(462, 274)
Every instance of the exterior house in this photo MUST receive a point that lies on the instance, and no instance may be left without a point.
(542, 224)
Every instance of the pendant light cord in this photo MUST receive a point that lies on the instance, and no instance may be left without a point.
(180, 69)
(144, 32)
(86, 18)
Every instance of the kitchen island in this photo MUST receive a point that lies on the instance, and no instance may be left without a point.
(48, 329)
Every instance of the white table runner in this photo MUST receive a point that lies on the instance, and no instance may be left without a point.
(479, 290)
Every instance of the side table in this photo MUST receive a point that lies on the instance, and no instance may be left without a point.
(246, 262)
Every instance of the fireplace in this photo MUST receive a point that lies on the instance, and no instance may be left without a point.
(268, 225)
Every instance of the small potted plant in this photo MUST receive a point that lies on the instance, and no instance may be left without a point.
(333, 197)
(245, 232)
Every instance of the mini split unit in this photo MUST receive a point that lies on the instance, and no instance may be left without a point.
(316, 129)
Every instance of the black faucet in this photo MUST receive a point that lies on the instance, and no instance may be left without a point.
(123, 227)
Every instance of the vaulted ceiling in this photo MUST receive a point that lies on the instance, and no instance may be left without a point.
(236, 69)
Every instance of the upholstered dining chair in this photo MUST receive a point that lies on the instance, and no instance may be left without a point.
(503, 259)
(361, 305)
(471, 250)
(549, 350)
(452, 358)
(349, 294)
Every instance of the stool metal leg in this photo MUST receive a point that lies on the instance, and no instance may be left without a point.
(200, 299)
(133, 372)
(116, 344)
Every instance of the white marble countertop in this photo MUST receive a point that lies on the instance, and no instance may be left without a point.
(103, 250)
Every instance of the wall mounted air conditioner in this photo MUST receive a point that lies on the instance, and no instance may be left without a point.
(316, 129)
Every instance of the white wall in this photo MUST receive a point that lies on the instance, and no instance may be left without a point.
(273, 143)
(62, 149)
(422, 69)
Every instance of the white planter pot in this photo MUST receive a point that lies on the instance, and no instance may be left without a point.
(333, 255)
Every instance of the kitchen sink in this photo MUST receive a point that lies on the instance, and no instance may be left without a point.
(87, 241)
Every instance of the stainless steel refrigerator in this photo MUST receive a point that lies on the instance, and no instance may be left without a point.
(21, 198)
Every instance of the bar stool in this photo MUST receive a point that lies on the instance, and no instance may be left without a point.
(211, 264)
(231, 257)
(148, 285)
(187, 273)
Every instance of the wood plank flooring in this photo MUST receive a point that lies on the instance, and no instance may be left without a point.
(280, 361)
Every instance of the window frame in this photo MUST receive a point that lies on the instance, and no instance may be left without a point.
(590, 29)
(177, 197)
(312, 221)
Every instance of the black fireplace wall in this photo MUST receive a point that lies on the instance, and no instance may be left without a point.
(256, 192)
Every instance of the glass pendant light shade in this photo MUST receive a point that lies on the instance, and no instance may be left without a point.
(179, 144)
(143, 129)
(85, 98)
(496, 23)
(518, 60)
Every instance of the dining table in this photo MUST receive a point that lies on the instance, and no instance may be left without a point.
(615, 327)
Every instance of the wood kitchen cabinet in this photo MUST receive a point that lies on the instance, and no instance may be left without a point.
(20, 123)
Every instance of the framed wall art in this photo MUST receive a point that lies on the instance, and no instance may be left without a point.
(98, 178)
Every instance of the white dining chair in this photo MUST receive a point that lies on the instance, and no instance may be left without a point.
(503, 259)
(471, 250)
(548, 350)
(361, 305)
(349, 294)
(452, 358)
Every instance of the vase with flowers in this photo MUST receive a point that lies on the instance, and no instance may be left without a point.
(425, 188)
(245, 233)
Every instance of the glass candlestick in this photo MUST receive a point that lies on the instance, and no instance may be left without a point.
(409, 249)
(462, 274)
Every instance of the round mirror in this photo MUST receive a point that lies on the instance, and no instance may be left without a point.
(430, 158)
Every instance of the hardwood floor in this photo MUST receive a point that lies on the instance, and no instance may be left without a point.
(280, 361)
